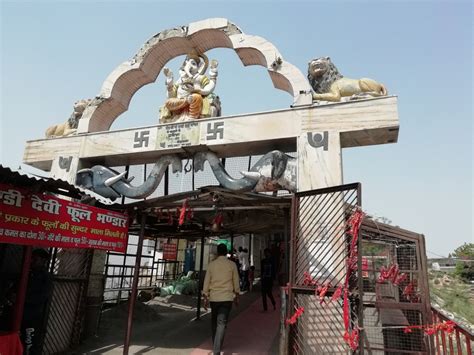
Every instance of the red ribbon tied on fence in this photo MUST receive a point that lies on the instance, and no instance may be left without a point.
(292, 320)
(308, 280)
(352, 338)
(391, 274)
(354, 222)
(430, 329)
(322, 290)
(337, 294)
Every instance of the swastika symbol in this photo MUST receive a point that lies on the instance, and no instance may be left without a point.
(141, 139)
(318, 140)
(214, 129)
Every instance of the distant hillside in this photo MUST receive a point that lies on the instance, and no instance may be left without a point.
(453, 295)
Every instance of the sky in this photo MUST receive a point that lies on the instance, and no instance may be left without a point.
(54, 53)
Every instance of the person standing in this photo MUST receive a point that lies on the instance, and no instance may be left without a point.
(221, 288)
(267, 269)
(244, 267)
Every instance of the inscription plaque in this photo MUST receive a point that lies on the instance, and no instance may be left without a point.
(178, 135)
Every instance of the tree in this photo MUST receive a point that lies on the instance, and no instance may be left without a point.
(465, 251)
(465, 268)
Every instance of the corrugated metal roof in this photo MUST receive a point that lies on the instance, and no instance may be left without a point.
(47, 184)
(242, 213)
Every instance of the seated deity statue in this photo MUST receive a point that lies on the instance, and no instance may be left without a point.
(191, 96)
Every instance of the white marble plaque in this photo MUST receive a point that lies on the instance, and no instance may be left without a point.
(178, 135)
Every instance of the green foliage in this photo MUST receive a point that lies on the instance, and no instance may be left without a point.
(372, 249)
(465, 251)
(465, 271)
(453, 296)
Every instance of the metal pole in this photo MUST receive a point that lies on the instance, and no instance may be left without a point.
(133, 296)
(21, 293)
(250, 250)
(287, 245)
(122, 277)
(231, 244)
(201, 263)
(53, 261)
(167, 182)
(363, 334)
(153, 273)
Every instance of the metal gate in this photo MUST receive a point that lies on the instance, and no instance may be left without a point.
(354, 290)
(70, 269)
(323, 295)
(397, 310)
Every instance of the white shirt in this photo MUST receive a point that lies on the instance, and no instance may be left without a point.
(244, 260)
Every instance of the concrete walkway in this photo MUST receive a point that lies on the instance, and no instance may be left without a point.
(251, 332)
(175, 331)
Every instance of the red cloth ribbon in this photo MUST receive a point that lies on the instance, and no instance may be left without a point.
(351, 337)
(292, 320)
(182, 213)
(430, 329)
(218, 219)
(337, 294)
(391, 274)
(322, 290)
(308, 280)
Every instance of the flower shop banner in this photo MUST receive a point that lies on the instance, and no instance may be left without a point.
(45, 220)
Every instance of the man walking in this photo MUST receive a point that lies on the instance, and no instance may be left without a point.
(267, 269)
(221, 288)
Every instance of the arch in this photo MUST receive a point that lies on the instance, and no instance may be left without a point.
(119, 87)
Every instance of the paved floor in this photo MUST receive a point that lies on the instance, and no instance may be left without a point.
(174, 330)
(251, 332)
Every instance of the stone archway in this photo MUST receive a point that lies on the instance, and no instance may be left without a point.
(120, 86)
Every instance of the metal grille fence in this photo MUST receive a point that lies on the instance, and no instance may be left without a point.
(70, 269)
(396, 294)
(319, 263)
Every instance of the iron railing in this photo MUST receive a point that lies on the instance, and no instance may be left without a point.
(460, 342)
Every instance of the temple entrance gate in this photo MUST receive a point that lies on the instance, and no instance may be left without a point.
(315, 131)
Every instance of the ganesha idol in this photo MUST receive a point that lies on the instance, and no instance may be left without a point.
(191, 96)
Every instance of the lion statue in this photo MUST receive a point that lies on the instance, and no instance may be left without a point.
(329, 85)
(70, 126)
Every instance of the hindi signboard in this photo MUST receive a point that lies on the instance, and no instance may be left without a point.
(170, 251)
(44, 220)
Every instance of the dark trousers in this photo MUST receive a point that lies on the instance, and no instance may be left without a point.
(244, 280)
(220, 314)
(267, 285)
